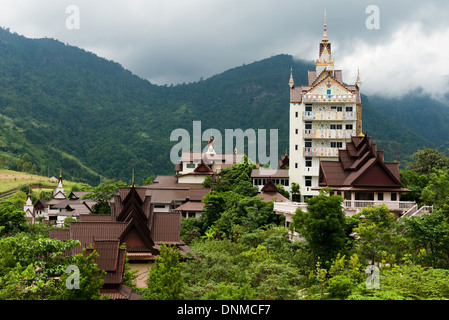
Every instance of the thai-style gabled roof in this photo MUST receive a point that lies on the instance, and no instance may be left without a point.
(203, 168)
(360, 166)
(270, 192)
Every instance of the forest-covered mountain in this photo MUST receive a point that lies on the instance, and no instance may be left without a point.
(72, 110)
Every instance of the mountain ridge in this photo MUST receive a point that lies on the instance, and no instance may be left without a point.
(72, 110)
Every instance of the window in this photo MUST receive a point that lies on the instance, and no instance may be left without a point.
(349, 127)
(190, 165)
(308, 181)
(308, 125)
(336, 144)
(296, 147)
(308, 108)
(308, 143)
(308, 162)
(296, 114)
(348, 109)
(380, 196)
(296, 165)
(394, 196)
(296, 131)
(336, 126)
(337, 108)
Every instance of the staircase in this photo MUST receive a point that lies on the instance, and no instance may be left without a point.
(415, 212)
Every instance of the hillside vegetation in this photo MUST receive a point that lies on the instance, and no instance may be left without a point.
(68, 109)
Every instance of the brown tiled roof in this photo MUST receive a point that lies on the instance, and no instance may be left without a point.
(296, 95)
(60, 234)
(166, 227)
(198, 194)
(195, 206)
(270, 192)
(41, 204)
(272, 196)
(360, 165)
(87, 232)
(266, 173)
(120, 293)
(168, 195)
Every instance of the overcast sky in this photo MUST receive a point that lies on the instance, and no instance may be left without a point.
(175, 41)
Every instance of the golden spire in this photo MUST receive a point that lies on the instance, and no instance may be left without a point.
(133, 179)
(291, 83)
(358, 81)
(325, 28)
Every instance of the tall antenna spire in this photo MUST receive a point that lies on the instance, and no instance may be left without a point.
(133, 179)
(325, 28)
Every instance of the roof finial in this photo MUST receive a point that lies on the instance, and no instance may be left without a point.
(291, 82)
(325, 27)
(358, 81)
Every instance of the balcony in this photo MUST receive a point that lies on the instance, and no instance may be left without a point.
(328, 134)
(329, 98)
(320, 152)
(351, 207)
(329, 115)
(288, 209)
(357, 205)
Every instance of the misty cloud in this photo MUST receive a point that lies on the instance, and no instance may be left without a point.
(176, 41)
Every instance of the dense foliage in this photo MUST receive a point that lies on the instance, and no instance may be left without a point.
(64, 108)
(372, 256)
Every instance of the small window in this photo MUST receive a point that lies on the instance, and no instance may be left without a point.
(308, 162)
(296, 165)
(349, 127)
(296, 147)
(336, 144)
(308, 125)
(190, 165)
(308, 143)
(308, 107)
(394, 196)
(348, 109)
(296, 131)
(308, 181)
(296, 114)
(336, 126)
(380, 196)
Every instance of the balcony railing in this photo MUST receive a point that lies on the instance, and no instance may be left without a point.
(328, 134)
(393, 205)
(320, 152)
(329, 115)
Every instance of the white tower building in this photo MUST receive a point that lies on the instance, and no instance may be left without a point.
(324, 114)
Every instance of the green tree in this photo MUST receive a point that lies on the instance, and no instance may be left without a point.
(431, 234)
(437, 190)
(165, 281)
(12, 217)
(376, 232)
(407, 282)
(295, 191)
(103, 193)
(90, 279)
(428, 159)
(323, 225)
